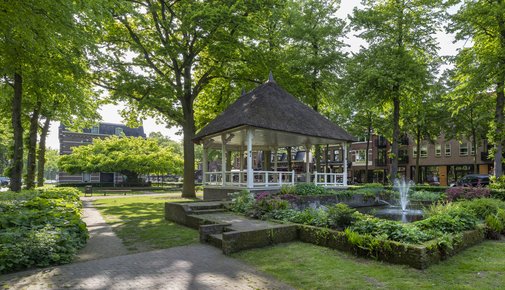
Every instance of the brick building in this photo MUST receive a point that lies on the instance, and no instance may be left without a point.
(441, 162)
(69, 139)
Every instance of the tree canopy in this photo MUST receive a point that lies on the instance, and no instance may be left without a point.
(130, 156)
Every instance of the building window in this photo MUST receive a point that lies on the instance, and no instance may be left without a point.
(118, 131)
(95, 130)
(472, 149)
(424, 151)
(447, 149)
(438, 150)
(463, 149)
(86, 177)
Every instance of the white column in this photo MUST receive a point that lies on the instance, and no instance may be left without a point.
(250, 177)
(241, 164)
(345, 163)
(204, 165)
(223, 159)
(307, 163)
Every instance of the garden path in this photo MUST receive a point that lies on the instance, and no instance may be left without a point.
(103, 242)
(105, 264)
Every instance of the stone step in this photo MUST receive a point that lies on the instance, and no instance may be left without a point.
(206, 206)
(216, 240)
(206, 211)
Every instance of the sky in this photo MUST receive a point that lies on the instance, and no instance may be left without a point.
(110, 113)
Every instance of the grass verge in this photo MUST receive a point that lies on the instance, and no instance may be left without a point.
(306, 266)
(139, 222)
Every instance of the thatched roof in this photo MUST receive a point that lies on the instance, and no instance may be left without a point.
(270, 107)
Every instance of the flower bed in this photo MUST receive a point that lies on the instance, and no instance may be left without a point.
(448, 228)
(40, 228)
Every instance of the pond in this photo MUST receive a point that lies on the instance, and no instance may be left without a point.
(393, 213)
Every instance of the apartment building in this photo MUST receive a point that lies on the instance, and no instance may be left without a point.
(70, 139)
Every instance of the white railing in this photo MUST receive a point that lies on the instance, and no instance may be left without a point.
(239, 178)
(329, 179)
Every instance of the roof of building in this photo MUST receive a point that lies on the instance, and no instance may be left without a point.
(271, 107)
(110, 129)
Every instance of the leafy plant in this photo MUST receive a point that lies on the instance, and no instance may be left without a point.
(309, 189)
(423, 195)
(495, 224)
(340, 215)
(40, 228)
(288, 189)
(242, 201)
(483, 207)
(497, 183)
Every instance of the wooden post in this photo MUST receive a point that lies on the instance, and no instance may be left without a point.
(345, 163)
(204, 165)
(307, 163)
(223, 159)
(250, 177)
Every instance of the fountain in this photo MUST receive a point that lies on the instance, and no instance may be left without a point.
(403, 186)
(402, 212)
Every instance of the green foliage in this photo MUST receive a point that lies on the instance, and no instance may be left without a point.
(288, 189)
(483, 207)
(309, 189)
(497, 183)
(122, 154)
(423, 195)
(40, 228)
(340, 215)
(242, 201)
(448, 218)
(389, 230)
(495, 223)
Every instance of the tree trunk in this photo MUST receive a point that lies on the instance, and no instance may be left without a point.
(498, 117)
(396, 136)
(474, 143)
(369, 134)
(31, 160)
(42, 152)
(418, 155)
(16, 169)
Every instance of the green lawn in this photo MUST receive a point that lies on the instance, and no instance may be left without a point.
(307, 266)
(139, 222)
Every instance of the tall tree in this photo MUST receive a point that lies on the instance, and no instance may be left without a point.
(32, 33)
(173, 50)
(401, 41)
(480, 69)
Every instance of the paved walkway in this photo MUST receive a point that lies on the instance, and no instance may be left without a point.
(189, 267)
(103, 242)
(104, 264)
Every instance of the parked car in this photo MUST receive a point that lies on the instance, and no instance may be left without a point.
(473, 180)
(4, 181)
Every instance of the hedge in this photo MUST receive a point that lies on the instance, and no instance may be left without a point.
(40, 228)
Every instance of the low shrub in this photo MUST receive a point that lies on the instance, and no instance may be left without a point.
(309, 189)
(288, 189)
(340, 216)
(242, 201)
(456, 193)
(498, 193)
(40, 228)
(497, 183)
(448, 218)
(483, 207)
(423, 195)
(389, 230)
(495, 224)
(266, 205)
